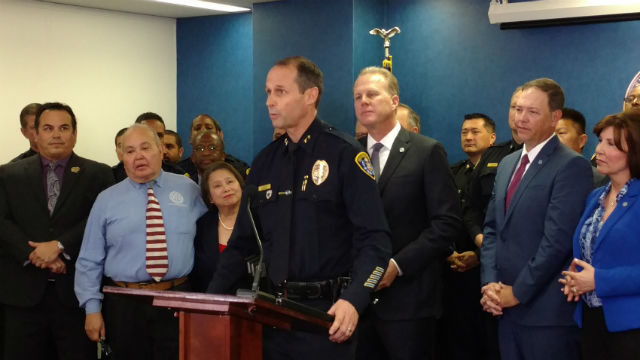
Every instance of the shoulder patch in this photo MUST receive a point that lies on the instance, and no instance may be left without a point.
(492, 165)
(364, 163)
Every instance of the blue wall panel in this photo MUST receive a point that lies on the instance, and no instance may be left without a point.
(215, 68)
(320, 30)
(368, 50)
(451, 61)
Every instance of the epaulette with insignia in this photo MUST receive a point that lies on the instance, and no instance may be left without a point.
(343, 136)
(374, 278)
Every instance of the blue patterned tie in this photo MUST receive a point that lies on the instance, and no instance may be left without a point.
(53, 187)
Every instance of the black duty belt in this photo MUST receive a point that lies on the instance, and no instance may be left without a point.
(313, 290)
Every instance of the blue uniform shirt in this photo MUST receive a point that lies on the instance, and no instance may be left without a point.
(114, 242)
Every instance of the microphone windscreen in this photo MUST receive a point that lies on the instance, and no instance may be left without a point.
(250, 190)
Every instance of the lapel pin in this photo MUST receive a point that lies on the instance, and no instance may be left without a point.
(624, 203)
(401, 149)
(75, 169)
(539, 162)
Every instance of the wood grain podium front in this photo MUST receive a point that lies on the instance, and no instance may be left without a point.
(220, 327)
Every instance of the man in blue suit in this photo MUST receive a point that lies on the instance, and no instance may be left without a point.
(538, 197)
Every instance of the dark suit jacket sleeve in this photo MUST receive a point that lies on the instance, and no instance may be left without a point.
(569, 190)
(100, 177)
(443, 208)
(472, 215)
(12, 239)
(488, 270)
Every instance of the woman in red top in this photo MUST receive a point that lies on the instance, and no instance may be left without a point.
(222, 190)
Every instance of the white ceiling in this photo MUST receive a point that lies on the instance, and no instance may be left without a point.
(150, 7)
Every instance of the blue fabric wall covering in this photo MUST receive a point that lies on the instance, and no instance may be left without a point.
(449, 60)
(215, 71)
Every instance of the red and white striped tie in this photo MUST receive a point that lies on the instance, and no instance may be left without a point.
(157, 259)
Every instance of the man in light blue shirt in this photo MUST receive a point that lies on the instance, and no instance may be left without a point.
(114, 246)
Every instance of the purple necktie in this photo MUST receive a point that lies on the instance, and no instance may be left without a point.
(517, 177)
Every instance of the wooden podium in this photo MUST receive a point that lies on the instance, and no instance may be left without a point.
(228, 327)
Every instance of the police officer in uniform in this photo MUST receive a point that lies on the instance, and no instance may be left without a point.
(320, 218)
(481, 182)
(464, 319)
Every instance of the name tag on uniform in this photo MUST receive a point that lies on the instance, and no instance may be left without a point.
(492, 165)
(264, 187)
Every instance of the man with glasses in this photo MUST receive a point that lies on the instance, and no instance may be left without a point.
(201, 123)
(207, 149)
(632, 95)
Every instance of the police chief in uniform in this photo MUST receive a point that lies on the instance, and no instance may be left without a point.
(320, 218)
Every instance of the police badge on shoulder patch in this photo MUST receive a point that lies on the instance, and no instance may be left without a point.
(364, 163)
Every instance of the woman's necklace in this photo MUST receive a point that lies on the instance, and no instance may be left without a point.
(223, 225)
(613, 199)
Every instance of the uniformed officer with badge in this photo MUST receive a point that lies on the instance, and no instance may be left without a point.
(320, 217)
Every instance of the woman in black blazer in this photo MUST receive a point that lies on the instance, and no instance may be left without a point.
(222, 190)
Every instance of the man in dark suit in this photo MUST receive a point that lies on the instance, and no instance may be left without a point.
(27, 118)
(537, 200)
(44, 203)
(422, 208)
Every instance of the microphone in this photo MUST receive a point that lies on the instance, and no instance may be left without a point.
(251, 191)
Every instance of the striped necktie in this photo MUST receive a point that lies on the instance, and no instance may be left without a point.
(157, 258)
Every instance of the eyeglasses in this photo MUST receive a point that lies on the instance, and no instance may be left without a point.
(631, 99)
(203, 148)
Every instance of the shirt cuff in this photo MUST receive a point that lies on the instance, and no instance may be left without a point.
(398, 267)
(92, 306)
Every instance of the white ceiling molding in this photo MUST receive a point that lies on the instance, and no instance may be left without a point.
(157, 8)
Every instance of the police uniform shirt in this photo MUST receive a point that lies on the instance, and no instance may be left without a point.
(462, 171)
(481, 185)
(319, 214)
